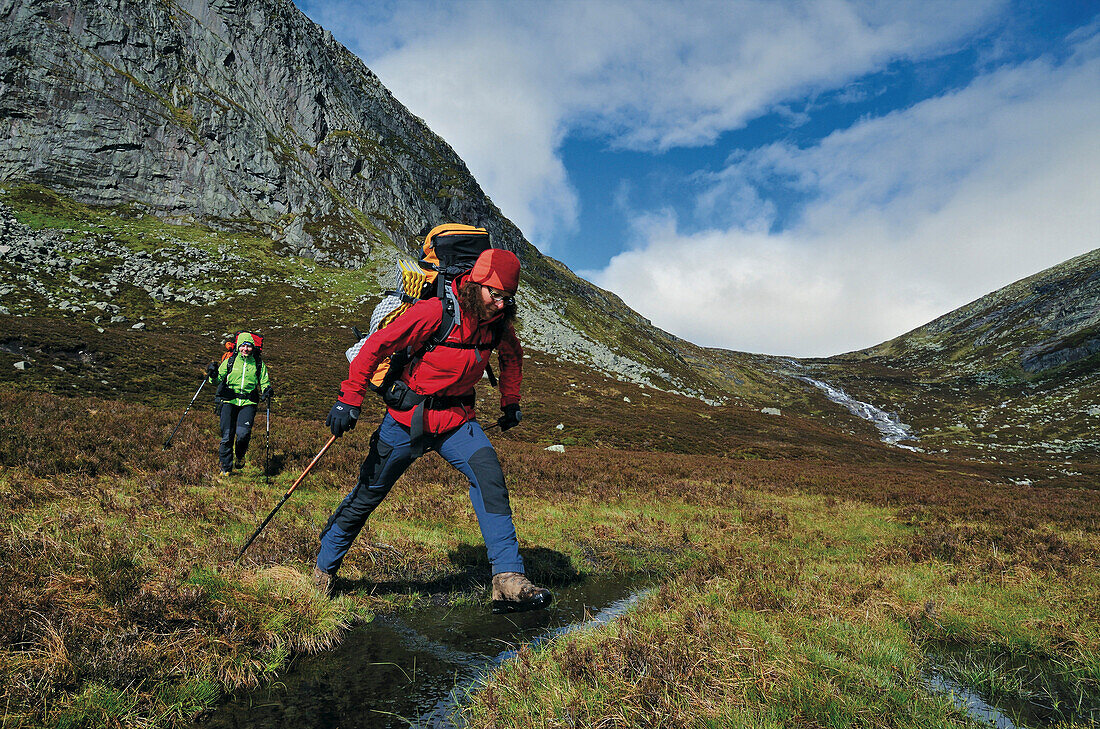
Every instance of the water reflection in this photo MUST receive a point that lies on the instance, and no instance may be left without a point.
(1029, 697)
(411, 669)
(970, 702)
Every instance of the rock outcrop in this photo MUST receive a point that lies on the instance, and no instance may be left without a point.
(245, 115)
(1037, 324)
(238, 111)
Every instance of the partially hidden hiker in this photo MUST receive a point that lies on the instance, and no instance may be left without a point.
(242, 381)
(431, 407)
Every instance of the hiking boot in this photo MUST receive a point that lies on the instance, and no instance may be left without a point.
(239, 463)
(226, 474)
(324, 582)
(514, 593)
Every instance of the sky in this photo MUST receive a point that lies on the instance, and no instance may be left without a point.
(799, 178)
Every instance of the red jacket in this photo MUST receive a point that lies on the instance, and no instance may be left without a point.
(442, 371)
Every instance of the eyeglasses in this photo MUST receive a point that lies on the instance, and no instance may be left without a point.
(500, 296)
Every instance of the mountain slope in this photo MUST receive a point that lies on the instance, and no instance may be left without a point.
(246, 117)
(1030, 328)
(189, 167)
(1014, 370)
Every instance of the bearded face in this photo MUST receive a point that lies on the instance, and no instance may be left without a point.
(477, 299)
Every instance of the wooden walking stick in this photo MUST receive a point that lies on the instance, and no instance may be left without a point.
(285, 497)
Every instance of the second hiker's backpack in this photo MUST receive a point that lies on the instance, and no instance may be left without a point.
(450, 250)
(257, 346)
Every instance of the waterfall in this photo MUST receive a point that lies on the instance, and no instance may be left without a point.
(892, 429)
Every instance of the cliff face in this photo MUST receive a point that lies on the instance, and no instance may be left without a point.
(245, 115)
(242, 111)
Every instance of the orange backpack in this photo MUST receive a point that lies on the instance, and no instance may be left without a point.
(449, 251)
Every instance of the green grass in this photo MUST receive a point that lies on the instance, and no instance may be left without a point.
(791, 591)
(803, 571)
(290, 291)
(778, 632)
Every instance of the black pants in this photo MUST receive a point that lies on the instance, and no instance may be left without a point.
(236, 426)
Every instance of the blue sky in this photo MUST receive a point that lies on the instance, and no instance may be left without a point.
(802, 178)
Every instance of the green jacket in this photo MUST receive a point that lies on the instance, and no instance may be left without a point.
(244, 384)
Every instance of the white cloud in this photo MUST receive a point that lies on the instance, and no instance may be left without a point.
(914, 214)
(505, 82)
(909, 215)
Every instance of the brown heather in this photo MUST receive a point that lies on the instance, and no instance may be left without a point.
(799, 569)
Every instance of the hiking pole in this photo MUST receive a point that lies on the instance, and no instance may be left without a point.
(169, 441)
(285, 497)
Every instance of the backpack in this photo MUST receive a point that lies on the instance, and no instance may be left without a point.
(449, 251)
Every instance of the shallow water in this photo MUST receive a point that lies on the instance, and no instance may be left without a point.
(1005, 712)
(971, 702)
(412, 669)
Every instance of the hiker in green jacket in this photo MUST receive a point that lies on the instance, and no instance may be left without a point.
(242, 381)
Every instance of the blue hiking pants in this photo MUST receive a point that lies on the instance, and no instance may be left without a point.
(466, 448)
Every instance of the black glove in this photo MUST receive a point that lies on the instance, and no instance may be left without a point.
(511, 417)
(212, 370)
(342, 418)
(268, 394)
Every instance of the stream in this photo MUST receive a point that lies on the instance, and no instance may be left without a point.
(889, 427)
(1037, 702)
(415, 667)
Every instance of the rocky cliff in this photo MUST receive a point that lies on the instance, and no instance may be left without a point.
(238, 111)
(245, 116)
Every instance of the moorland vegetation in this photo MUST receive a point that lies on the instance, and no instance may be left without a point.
(806, 571)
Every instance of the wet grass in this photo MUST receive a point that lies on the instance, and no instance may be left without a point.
(806, 567)
(808, 611)
(798, 588)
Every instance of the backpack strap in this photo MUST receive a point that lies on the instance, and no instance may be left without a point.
(226, 392)
(488, 347)
(451, 317)
(405, 298)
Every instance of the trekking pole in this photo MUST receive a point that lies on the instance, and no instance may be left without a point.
(169, 441)
(285, 497)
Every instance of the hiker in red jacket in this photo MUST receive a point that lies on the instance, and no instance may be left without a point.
(431, 407)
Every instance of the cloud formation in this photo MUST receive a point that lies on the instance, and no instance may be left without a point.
(900, 217)
(505, 82)
(912, 215)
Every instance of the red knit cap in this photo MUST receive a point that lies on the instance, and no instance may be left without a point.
(497, 268)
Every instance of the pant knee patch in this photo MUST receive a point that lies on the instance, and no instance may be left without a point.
(490, 479)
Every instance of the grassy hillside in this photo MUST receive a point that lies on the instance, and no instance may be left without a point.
(120, 268)
(806, 568)
(1011, 373)
(813, 569)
